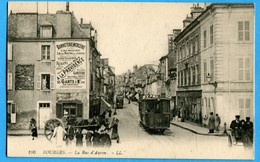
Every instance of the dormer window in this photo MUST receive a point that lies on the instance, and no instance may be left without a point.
(46, 31)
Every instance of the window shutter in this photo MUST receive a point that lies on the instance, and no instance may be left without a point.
(79, 109)
(38, 81)
(39, 56)
(10, 51)
(52, 81)
(240, 69)
(13, 113)
(10, 81)
(52, 52)
(246, 25)
(59, 110)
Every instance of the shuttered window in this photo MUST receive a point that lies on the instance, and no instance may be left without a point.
(205, 71)
(9, 81)
(243, 31)
(244, 69)
(245, 107)
(212, 69)
(205, 38)
(211, 34)
(45, 81)
(10, 52)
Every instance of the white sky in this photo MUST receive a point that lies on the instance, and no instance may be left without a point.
(128, 33)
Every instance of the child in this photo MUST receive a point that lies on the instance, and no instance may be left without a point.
(34, 131)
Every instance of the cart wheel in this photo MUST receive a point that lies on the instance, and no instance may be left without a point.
(49, 127)
(230, 140)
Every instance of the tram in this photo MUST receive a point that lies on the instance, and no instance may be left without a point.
(155, 114)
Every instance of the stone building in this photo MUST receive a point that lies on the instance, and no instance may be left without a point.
(215, 62)
(51, 59)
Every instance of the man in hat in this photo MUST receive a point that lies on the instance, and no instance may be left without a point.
(211, 123)
(235, 126)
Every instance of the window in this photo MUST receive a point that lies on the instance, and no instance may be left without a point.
(243, 31)
(9, 81)
(45, 81)
(205, 38)
(46, 52)
(184, 51)
(212, 69)
(185, 77)
(244, 69)
(245, 108)
(189, 75)
(194, 75)
(205, 71)
(11, 112)
(69, 109)
(197, 74)
(211, 34)
(193, 47)
(197, 44)
(46, 32)
(44, 105)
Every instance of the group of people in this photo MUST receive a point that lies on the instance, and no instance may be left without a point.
(214, 122)
(97, 137)
(243, 130)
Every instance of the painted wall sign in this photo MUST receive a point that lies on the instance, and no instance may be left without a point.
(70, 65)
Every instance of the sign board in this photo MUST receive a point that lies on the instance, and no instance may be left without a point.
(70, 65)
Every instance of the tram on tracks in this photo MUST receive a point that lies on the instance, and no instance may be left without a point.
(155, 114)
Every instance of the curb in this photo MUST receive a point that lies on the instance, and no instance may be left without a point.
(195, 132)
(22, 134)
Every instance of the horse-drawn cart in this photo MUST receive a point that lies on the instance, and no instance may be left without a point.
(83, 124)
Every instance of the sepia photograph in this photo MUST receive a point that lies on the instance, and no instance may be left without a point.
(161, 80)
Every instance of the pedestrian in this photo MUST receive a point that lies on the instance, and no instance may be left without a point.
(34, 131)
(70, 134)
(105, 140)
(79, 137)
(88, 137)
(58, 133)
(217, 122)
(235, 126)
(248, 134)
(115, 134)
(211, 123)
(109, 112)
(96, 139)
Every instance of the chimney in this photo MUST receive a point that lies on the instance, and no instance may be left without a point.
(81, 21)
(67, 6)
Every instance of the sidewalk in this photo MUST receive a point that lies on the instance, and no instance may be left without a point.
(194, 128)
(23, 132)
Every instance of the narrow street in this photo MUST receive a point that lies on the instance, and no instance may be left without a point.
(136, 142)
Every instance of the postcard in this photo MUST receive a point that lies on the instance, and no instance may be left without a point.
(130, 80)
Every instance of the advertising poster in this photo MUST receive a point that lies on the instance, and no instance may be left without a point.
(70, 65)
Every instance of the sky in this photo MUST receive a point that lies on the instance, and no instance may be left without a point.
(128, 33)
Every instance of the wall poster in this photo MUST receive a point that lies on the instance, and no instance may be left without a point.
(70, 65)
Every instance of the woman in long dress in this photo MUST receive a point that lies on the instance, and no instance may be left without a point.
(58, 133)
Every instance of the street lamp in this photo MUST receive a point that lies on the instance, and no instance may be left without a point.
(215, 84)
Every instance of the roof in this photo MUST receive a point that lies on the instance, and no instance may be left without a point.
(14, 21)
(210, 7)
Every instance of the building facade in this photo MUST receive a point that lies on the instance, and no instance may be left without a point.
(215, 54)
(50, 61)
(227, 58)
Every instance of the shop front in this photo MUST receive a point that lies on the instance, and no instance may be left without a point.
(189, 105)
